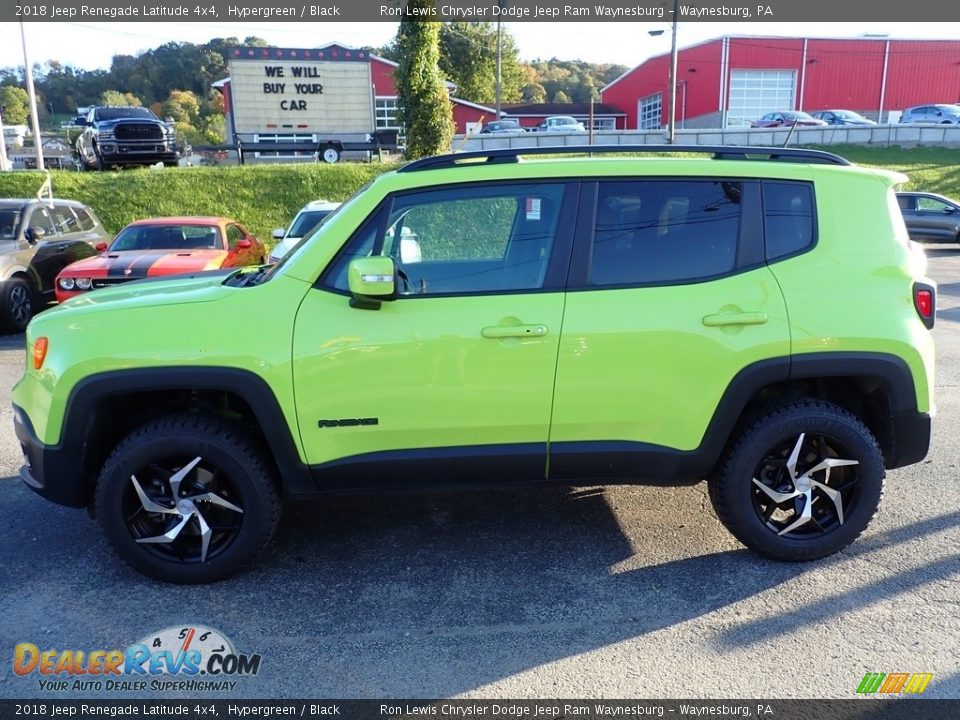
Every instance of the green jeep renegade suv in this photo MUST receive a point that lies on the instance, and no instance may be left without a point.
(754, 317)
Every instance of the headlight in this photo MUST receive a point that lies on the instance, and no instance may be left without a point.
(66, 283)
(84, 284)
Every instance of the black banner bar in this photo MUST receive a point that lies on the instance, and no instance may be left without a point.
(261, 11)
(855, 709)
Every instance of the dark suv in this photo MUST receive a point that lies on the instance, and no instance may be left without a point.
(38, 238)
(119, 136)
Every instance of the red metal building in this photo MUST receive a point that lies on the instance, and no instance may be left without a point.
(732, 80)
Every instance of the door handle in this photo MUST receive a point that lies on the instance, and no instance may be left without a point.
(508, 331)
(735, 318)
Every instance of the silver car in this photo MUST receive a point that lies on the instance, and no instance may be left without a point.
(38, 238)
(930, 217)
(933, 114)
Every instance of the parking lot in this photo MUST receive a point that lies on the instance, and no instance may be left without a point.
(596, 592)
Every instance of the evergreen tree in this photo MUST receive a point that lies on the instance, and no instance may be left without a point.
(424, 106)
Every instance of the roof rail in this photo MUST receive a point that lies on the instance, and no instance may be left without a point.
(718, 152)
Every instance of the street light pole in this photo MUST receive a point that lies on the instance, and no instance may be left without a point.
(672, 127)
(499, 63)
(28, 75)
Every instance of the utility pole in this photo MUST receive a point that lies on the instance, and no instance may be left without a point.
(28, 74)
(672, 127)
(3, 143)
(499, 60)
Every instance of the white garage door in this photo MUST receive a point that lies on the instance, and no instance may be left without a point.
(754, 93)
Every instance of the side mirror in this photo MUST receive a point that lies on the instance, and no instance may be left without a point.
(244, 244)
(100, 247)
(279, 233)
(371, 279)
(34, 234)
(949, 210)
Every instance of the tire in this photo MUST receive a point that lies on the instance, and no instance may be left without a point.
(18, 303)
(98, 163)
(330, 154)
(232, 472)
(761, 454)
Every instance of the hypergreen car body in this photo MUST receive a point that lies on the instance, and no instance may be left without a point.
(568, 378)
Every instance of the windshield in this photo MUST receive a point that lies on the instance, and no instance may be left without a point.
(9, 220)
(306, 221)
(167, 237)
(847, 114)
(124, 112)
(566, 121)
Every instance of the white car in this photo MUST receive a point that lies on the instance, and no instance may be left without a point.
(562, 124)
(306, 220)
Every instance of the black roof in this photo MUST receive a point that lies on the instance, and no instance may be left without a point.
(559, 109)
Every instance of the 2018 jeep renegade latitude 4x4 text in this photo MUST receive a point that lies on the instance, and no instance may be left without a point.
(753, 317)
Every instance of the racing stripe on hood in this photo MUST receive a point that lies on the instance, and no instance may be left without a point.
(137, 266)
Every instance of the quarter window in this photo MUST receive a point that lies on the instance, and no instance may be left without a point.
(656, 232)
(463, 240)
(787, 218)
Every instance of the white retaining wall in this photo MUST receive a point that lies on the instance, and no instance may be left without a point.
(947, 136)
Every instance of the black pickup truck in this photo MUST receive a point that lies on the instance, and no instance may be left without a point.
(124, 136)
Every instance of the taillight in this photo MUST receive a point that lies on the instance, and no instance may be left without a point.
(39, 352)
(925, 302)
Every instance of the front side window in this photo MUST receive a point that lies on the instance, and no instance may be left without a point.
(463, 240)
(39, 218)
(665, 231)
(932, 205)
(234, 235)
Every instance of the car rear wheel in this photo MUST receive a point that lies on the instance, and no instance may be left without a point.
(17, 304)
(800, 482)
(188, 499)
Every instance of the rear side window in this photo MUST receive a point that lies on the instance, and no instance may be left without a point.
(83, 217)
(788, 219)
(665, 231)
(64, 219)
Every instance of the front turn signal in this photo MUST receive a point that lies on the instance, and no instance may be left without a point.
(39, 352)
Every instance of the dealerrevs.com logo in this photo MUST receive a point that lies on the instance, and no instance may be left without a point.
(192, 658)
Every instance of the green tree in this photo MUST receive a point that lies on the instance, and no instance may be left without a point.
(16, 105)
(468, 57)
(424, 108)
(183, 106)
(115, 97)
(561, 97)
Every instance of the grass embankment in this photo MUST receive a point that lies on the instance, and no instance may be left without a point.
(261, 197)
(264, 197)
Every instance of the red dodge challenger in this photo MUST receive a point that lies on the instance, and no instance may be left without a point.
(162, 246)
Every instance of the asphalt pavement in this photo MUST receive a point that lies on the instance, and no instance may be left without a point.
(588, 592)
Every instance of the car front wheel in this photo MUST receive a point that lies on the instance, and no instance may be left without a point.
(188, 499)
(800, 482)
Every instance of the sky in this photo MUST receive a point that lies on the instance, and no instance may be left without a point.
(92, 45)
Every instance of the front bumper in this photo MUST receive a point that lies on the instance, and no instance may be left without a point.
(47, 470)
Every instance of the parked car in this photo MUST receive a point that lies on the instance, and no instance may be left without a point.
(162, 246)
(310, 215)
(842, 117)
(930, 217)
(502, 127)
(936, 114)
(561, 124)
(787, 118)
(591, 319)
(124, 136)
(38, 238)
